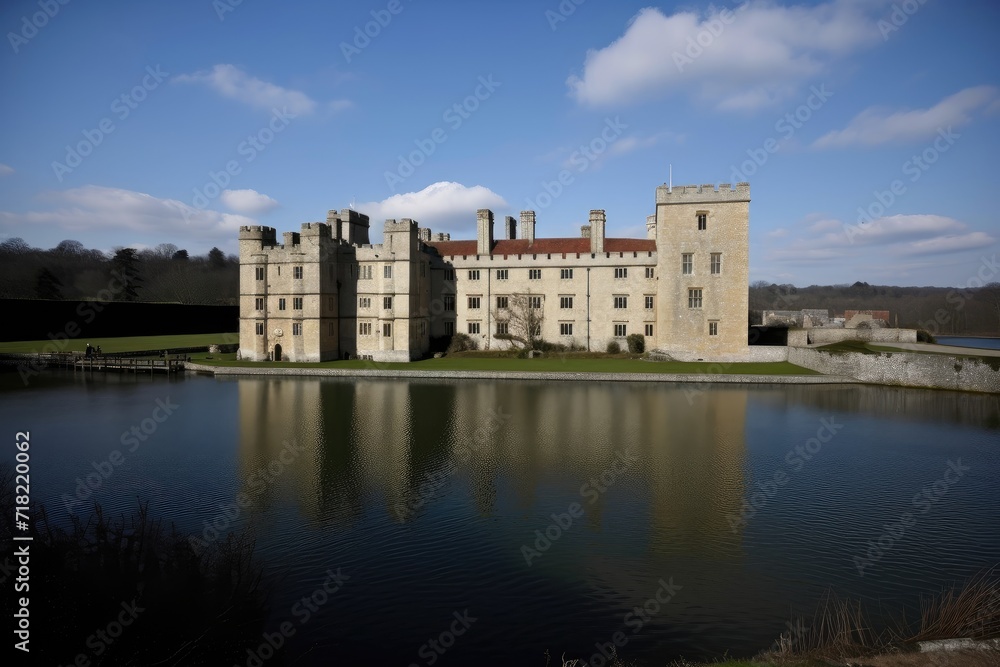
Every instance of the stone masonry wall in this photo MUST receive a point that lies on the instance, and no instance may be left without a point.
(904, 369)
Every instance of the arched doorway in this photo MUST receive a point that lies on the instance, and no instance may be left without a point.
(277, 352)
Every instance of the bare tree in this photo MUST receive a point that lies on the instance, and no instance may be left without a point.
(520, 322)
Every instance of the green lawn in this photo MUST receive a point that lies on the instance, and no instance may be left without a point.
(131, 344)
(547, 364)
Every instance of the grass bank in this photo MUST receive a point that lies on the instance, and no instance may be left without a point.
(116, 345)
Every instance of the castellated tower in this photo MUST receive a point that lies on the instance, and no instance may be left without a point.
(280, 315)
(702, 239)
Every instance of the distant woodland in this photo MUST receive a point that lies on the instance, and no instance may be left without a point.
(167, 273)
(939, 310)
(73, 272)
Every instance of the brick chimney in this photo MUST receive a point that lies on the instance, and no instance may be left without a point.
(528, 226)
(597, 220)
(484, 231)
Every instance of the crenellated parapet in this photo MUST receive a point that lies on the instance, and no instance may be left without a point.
(696, 194)
(266, 235)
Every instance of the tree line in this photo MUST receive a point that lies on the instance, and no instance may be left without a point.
(70, 271)
(939, 310)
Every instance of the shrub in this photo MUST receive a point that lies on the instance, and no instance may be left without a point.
(461, 342)
(924, 336)
(614, 347)
(636, 343)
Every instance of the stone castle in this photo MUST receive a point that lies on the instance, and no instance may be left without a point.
(327, 293)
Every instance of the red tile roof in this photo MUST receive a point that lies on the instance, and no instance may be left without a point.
(544, 246)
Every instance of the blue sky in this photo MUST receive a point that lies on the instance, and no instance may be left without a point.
(140, 123)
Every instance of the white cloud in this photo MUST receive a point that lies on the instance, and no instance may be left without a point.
(93, 208)
(880, 242)
(443, 206)
(230, 81)
(6, 170)
(741, 58)
(875, 126)
(249, 202)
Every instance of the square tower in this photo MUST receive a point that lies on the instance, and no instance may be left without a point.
(702, 239)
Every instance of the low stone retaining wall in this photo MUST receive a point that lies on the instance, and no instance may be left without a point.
(905, 369)
(803, 337)
(755, 353)
(699, 378)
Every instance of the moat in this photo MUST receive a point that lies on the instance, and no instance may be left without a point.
(539, 516)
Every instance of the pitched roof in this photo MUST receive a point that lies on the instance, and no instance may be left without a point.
(544, 246)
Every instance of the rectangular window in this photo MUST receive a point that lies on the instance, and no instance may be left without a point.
(649, 302)
(259, 271)
(449, 274)
(331, 329)
(449, 303)
(565, 302)
(702, 221)
(473, 327)
(534, 302)
(474, 302)
(297, 303)
(621, 301)
(566, 274)
(331, 303)
(449, 328)
(365, 328)
(259, 327)
(281, 304)
(502, 302)
(387, 302)
(387, 329)
(649, 272)
(649, 329)
(387, 271)
(473, 274)
(423, 269)
(694, 298)
(502, 274)
(687, 263)
(620, 331)
(565, 328)
(621, 272)
(502, 329)
(297, 272)
(716, 263)
(713, 328)
(365, 302)
(534, 274)
(296, 328)
(258, 303)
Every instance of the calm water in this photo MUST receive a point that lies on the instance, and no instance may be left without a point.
(427, 495)
(961, 341)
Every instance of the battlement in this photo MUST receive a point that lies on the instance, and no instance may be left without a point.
(266, 235)
(404, 225)
(693, 194)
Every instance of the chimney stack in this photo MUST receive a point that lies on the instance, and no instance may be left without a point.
(597, 220)
(528, 226)
(484, 231)
(509, 228)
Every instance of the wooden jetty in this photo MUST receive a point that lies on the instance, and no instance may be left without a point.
(114, 363)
